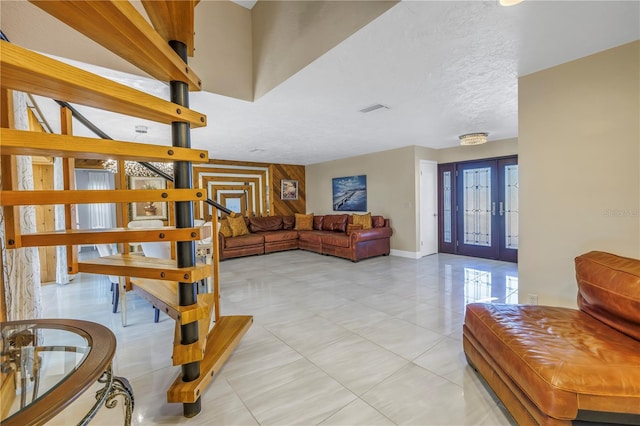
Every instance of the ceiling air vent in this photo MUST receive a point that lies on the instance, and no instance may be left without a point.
(373, 108)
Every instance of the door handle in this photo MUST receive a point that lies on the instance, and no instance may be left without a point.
(493, 208)
(501, 208)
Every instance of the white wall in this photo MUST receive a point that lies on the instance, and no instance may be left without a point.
(579, 156)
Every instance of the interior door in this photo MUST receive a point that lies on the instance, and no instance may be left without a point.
(428, 208)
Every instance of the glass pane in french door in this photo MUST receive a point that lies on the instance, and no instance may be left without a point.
(447, 207)
(508, 208)
(476, 206)
(511, 206)
(477, 184)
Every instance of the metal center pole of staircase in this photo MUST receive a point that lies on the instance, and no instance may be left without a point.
(185, 250)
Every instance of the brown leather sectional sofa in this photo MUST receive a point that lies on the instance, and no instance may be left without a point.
(552, 365)
(330, 236)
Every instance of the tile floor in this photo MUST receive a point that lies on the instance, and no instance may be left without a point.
(333, 343)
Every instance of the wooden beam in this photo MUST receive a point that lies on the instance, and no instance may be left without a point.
(120, 28)
(173, 20)
(49, 197)
(131, 265)
(68, 184)
(21, 142)
(34, 73)
(9, 174)
(107, 236)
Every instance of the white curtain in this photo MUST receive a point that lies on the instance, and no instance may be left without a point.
(62, 273)
(22, 265)
(100, 215)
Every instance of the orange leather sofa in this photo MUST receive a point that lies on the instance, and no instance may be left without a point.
(552, 365)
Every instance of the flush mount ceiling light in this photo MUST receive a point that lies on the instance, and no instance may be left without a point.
(473, 138)
(509, 2)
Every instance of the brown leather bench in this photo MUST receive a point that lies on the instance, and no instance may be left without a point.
(552, 365)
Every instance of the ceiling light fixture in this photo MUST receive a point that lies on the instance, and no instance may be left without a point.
(473, 138)
(133, 168)
(509, 2)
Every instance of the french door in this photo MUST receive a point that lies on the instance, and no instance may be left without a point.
(478, 204)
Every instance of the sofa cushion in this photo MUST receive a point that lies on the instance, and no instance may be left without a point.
(377, 222)
(317, 222)
(609, 290)
(288, 222)
(282, 235)
(244, 240)
(335, 222)
(362, 219)
(310, 236)
(304, 222)
(267, 223)
(336, 239)
(225, 229)
(238, 225)
(562, 359)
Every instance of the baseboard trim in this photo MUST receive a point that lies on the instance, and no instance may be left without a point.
(407, 254)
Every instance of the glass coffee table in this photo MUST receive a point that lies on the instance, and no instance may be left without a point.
(46, 364)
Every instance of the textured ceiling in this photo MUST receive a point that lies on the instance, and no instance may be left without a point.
(442, 68)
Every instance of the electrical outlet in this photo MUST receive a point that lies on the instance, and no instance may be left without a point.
(532, 299)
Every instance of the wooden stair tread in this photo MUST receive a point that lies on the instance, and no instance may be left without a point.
(105, 236)
(119, 27)
(34, 73)
(22, 142)
(164, 296)
(131, 265)
(48, 197)
(221, 342)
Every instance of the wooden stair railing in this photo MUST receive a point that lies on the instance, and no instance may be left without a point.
(161, 52)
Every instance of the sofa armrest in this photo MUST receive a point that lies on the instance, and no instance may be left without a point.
(370, 234)
(221, 242)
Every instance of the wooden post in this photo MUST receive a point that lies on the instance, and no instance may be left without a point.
(69, 179)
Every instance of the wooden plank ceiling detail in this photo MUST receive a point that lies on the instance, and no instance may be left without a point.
(119, 27)
(173, 20)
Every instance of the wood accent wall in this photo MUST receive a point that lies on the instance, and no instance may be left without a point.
(45, 215)
(257, 185)
(277, 172)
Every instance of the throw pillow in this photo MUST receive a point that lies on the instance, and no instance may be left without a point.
(362, 219)
(238, 226)
(304, 222)
(288, 222)
(377, 221)
(225, 229)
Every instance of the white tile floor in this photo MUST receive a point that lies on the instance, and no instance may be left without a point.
(333, 343)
